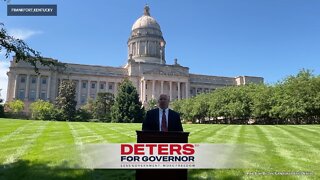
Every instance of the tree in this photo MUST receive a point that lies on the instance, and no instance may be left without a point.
(240, 103)
(23, 52)
(65, 101)
(89, 106)
(127, 107)
(83, 115)
(102, 106)
(296, 98)
(176, 106)
(200, 108)
(1, 111)
(42, 110)
(151, 104)
(184, 107)
(218, 103)
(260, 95)
(1, 107)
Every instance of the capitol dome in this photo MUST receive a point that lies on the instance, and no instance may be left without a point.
(146, 21)
(146, 43)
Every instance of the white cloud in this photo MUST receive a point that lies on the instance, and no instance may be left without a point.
(4, 68)
(23, 33)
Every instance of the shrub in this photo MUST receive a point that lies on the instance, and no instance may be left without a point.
(1, 111)
(15, 108)
(43, 110)
(83, 115)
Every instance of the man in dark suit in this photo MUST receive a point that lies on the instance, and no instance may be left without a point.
(162, 118)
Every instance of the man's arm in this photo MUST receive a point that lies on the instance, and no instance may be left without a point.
(180, 128)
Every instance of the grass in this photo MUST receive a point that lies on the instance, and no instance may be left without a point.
(38, 149)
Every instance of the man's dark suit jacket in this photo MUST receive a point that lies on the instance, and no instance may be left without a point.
(151, 122)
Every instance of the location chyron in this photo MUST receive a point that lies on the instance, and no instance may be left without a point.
(32, 10)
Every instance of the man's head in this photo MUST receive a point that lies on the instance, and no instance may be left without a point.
(163, 101)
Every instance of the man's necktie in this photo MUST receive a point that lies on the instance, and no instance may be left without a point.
(164, 122)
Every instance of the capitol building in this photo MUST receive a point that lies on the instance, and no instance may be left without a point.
(146, 67)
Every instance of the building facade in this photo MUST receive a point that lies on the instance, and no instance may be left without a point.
(146, 68)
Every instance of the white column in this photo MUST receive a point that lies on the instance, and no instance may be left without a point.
(141, 90)
(115, 88)
(170, 90)
(153, 84)
(26, 95)
(178, 84)
(144, 91)
(54, 85)
(15, 86)
(183, 88)
(38, 87)
(138, 47)
(48, 87)
(98, 87)
(58, 86)
(107, 86)
(161, 87)
(187, 90)
(79, 92)
(88, 90)
(9, 90)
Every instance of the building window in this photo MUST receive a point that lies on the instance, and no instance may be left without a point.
(23, 79)
(146, 98)
(191, 91)
(177, 88)
(110, 87)
(101, 86)
(83, 99)
(43, 95)
(21, 94)
(32, 95)
(33, 80)
(93, 85)
(84, 85)
(44, 81)
(146, 86)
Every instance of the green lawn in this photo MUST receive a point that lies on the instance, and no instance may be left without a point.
(37, 149)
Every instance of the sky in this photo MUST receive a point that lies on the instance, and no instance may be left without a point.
(267, 38)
